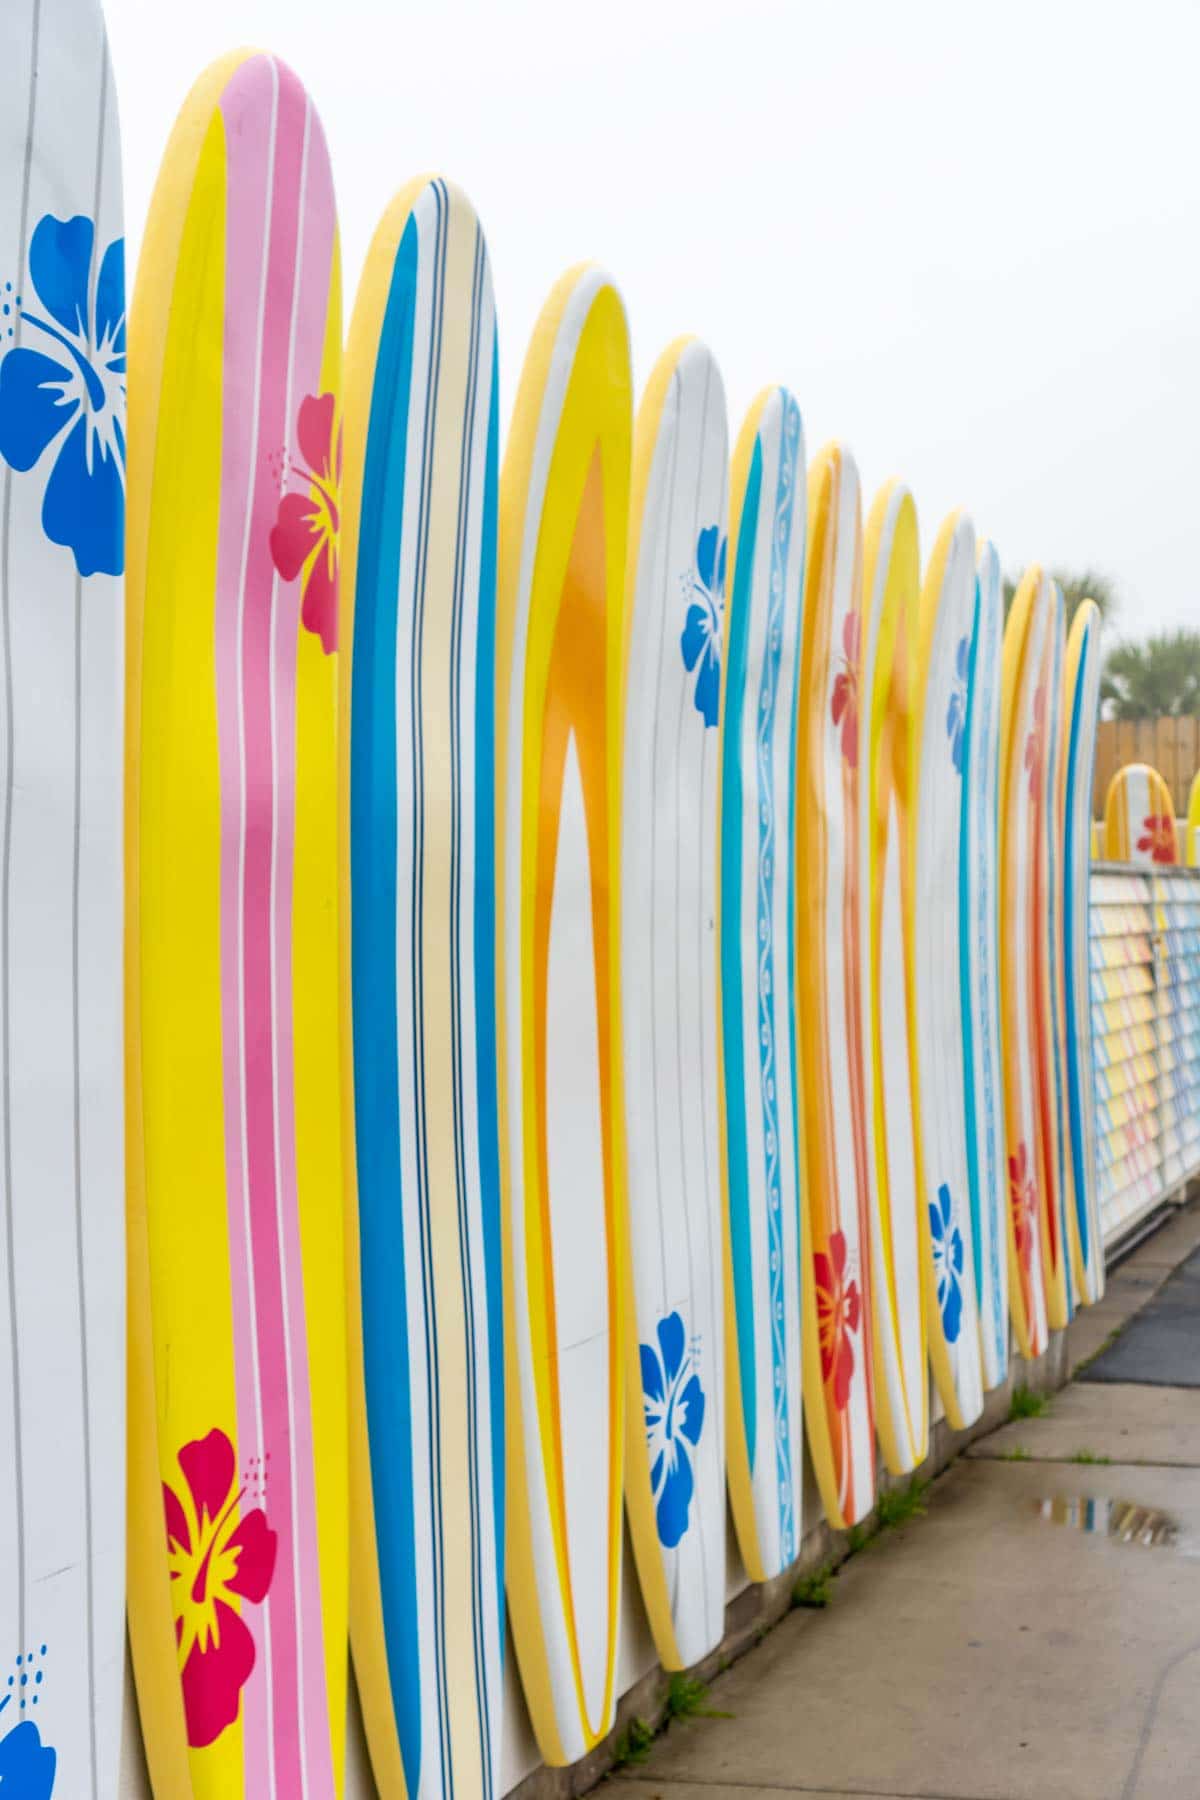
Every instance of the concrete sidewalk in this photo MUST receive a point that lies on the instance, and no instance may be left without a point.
(1034, 1636)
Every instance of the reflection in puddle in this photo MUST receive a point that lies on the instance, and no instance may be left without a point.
(1121, 1520)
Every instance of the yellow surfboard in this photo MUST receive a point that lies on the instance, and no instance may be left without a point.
(560, 639)
(838, 1399)
(1022, 748)
(237, 1370)
(891, 595)
(1193, 823)
(1139, 818)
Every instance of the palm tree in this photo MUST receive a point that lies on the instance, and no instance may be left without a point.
(1089, 584)
(1156, 679)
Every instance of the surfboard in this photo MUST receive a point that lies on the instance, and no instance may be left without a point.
(1081, 712)
(979, 966)
(1193, 822)
(564, 500)
(237, 1426)
(1046, 930)
(1022, 756)
(1139, 818)
(838, 1401)
(756, 941)
(941, 674)
(674, 1318)
(891, 595)
(423, 1202)
(62, 474)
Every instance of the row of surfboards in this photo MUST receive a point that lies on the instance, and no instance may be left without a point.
(605, 969)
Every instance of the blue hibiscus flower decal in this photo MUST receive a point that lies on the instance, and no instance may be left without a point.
(63, 394)
(673, 1402)
(27, 1765)
(947, 1263)
(701, 639)
(956, 711)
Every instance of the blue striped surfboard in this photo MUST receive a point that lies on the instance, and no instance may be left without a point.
(426, 1413)
(756, 937)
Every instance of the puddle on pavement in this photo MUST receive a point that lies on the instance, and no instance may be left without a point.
(1122, 1520)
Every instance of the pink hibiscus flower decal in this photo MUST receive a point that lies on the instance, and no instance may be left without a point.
(215, 1560)
(305, 533)
(839, 1310)
(844, 705)
(1023, 1199)
(1158, 837)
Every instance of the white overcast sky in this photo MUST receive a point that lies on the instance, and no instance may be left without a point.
(966, 235)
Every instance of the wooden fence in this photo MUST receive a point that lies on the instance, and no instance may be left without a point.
(1172, 746)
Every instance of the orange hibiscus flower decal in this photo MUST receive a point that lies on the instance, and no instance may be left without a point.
(215, 1560)
(839, 1309)
(1158, 837)
(306, 532)
(844, 704)
(1023, 1199)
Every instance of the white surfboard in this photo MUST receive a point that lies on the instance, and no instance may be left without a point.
(62, 1320)
(675, 589)
(940, 743)
(979, 964)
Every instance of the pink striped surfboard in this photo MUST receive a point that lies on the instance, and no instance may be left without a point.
(238, 1458)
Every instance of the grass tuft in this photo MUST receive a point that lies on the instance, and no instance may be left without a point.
(900, 1505)
(1018, 1453)
(814, 1590)
(633, 1745)
(687, 1698)
(1025, 1404)
(1088, 1456)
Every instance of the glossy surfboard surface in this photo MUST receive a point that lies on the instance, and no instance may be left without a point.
(891, 600)
(417, 727)
(1139, 818)
(238, 1596)
(979, 965)
(1022, 740)
(1081, 712)
(675, 599)
(940, 698)
(564, 498)
(838, 1397)
(62, 473)
(756, 900)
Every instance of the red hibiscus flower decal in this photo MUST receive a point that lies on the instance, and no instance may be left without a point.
(838, 1312)
(1023, 1199)
(1158, 837)
(215, 1560)
(844, 704)
(305, 534)
(1033, 743)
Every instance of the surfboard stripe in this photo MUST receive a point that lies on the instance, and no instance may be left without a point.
(1082, 711)
(979, 953)
(424, 1033)
(1059, 1298)
(61, 557)
(757, 827)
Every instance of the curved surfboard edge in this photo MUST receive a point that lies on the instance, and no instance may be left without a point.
(1052, 1074)
(670, 1597)
(737, 1454)
(423, 323)
(836, 1263)
(980, 968)
(1139, 818)
(1192, 842)
(1081, 689)
(899, 1327)
(1024, 637)
(177, 451)
(948, 600)
(564, 493)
